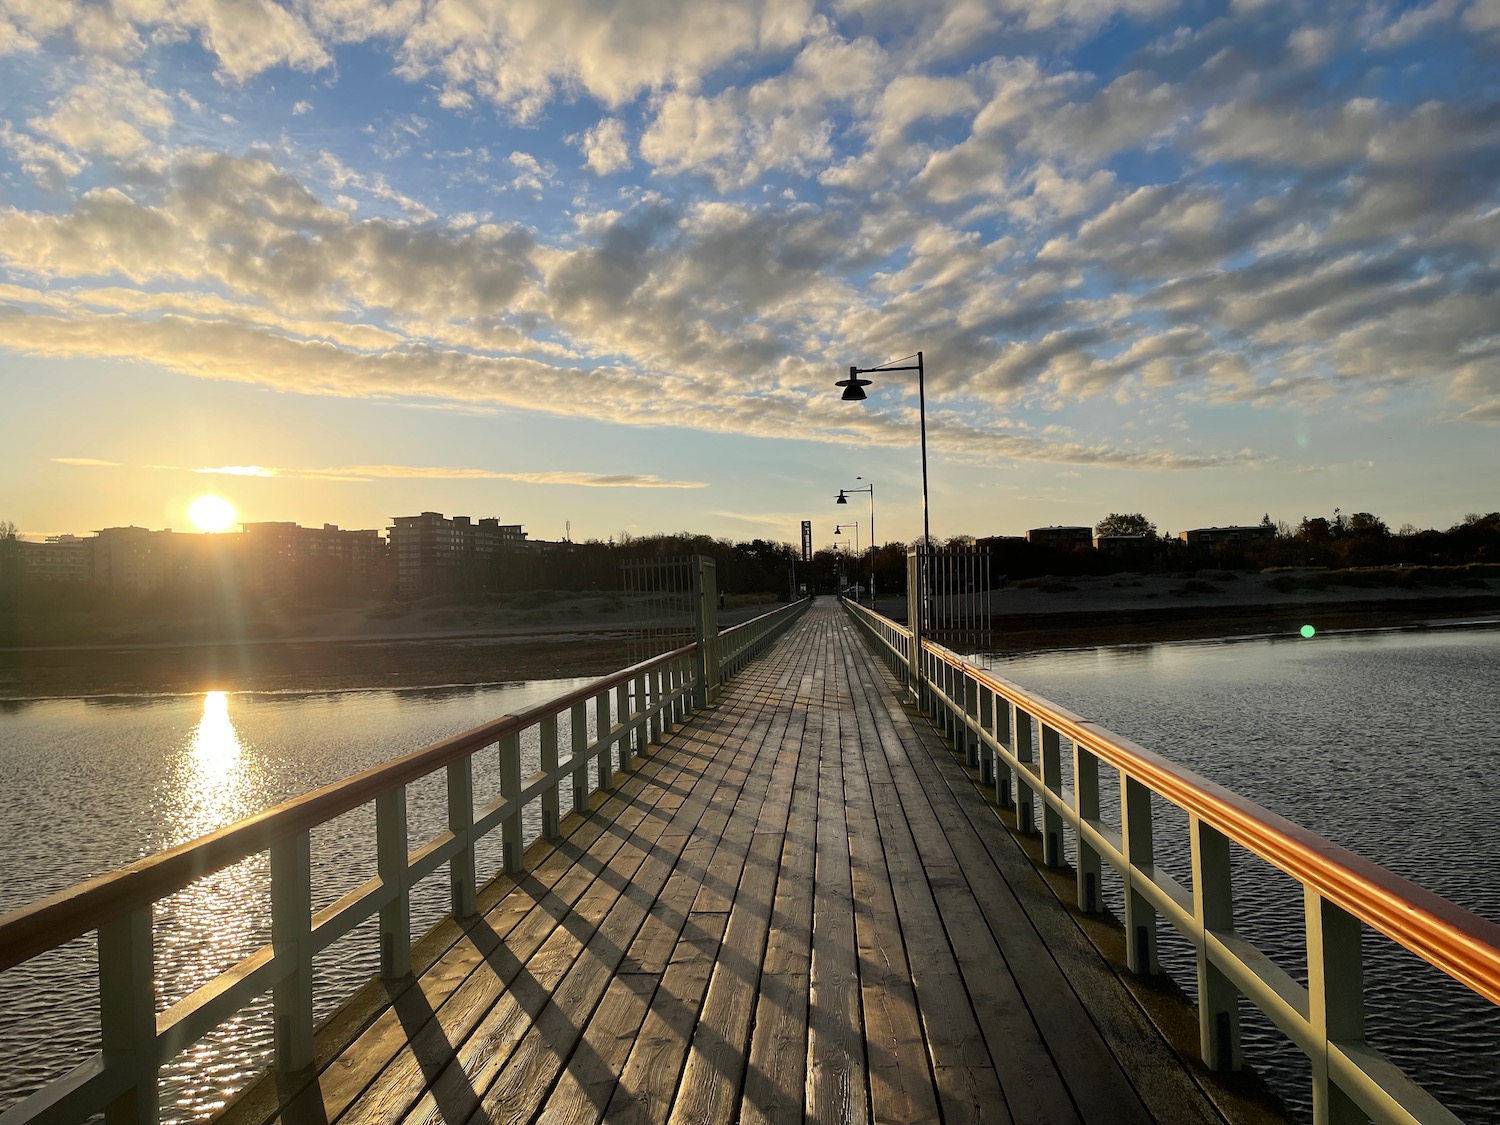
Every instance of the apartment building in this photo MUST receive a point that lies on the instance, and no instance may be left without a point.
(437, 554)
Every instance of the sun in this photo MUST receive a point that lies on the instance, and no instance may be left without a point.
(212, 513)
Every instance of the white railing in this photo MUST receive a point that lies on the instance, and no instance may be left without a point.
(632, 708)
(1011, 736)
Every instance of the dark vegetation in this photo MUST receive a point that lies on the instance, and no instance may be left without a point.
(544, 586)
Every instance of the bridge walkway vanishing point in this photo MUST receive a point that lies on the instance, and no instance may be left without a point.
(799, 906)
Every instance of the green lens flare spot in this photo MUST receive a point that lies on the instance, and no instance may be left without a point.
(1308, 630)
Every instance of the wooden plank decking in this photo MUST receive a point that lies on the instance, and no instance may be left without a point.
(799, 908)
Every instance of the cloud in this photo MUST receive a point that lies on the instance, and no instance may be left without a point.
(1231, 214)
(246, 37)
(605, 149)
(111, 114)
(357, 473)
(47, 164)
(86, 461)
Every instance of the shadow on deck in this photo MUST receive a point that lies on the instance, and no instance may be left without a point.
(798, 907)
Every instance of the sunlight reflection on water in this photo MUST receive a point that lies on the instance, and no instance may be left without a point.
(96, 783)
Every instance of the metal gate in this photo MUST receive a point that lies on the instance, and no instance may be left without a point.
(663, 603)
(952, 585)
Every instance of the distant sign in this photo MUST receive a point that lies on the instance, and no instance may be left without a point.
(807, 540)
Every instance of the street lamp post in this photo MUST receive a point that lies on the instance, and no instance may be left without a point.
(854, 391)
(842, 498)
(839, 530)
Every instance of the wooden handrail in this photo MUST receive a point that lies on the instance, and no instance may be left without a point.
(1455, 940)
(80, 909)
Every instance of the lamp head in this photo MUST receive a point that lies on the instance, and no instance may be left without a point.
(842, 499)
(854, 386)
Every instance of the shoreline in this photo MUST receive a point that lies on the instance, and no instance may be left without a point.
(1017, 634)
(457, 659)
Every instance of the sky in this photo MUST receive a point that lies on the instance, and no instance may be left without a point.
(595, 267)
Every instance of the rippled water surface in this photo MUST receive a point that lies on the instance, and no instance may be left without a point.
(1386, 743)
(89, 785)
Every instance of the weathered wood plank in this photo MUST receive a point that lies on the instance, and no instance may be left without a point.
(442, 1045)
(549, 1043)
(710, 1083)
(901, 1083)
(452, 985)
(777, 1063)
(837, 1081)
(798, 909)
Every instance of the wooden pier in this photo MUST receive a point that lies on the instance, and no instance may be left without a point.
(798, 907)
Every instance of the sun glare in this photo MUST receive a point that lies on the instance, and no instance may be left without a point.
(211, 513)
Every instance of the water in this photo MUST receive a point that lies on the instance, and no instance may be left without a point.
(1384, 742)
(92, 784)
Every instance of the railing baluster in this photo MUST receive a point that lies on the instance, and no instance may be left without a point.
(291, 940)
(649, 719)
(666, 684)
(986, 724)
(971, 721)
(462, 886)
(392, 848)
(1086, 805)
(1213, 910)
(1005, 712)
(579, 728)
(1140, 852)
(551, 805)
(629, 718)
(1052, 821)
(127, 1014)
(607, 736)
(1025, 821)
(511, 843)
(1335, 989)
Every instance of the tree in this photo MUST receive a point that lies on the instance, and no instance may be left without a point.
(7, 529)
(1314, 529)
(1363, 523)
(1130, 523)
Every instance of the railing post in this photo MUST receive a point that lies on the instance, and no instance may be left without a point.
(1025, 821)
(971, 717)
(632, 719)
(291, 942)
(392, 849)
(1086, 805)
(511, 843)
(651, 723)
(1335, 990)
(1213, 910)
(127, 1014)
(1052, 821)
(914, 624)
(578, 728)
(607, 737)
(1005, 712)
(551, 805)
(462, 885)
(666, 689)
(706, 621)
(986, 724)
(1140, 852)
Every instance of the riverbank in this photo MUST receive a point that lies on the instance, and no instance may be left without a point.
(570, 641)
(1058, 613)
